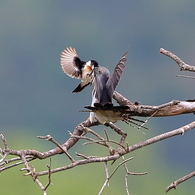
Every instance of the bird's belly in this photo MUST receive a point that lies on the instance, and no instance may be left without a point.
(86, 77)
(106, 116)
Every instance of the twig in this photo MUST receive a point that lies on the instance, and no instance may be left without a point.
(4, 142)
(123, 162)
(179, 131)
(100, 142)
(3, 168)
(109, 177)
(147, 120)
(182, 65)
(126, 184)
(185, 76)
(129, 173)
(49, 175)
(105, 141)
(106, 181)
(50, 138)
(3, 153)
(118, 130)
(177, 182)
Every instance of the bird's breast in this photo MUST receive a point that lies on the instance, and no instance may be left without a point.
(106, 116)
(87, 73)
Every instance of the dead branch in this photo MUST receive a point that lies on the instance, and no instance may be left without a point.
(177, 182)
(129, 173)
(79, 131)
(50, 138)
(119, 131)
(179, 131)
(182, 65)
(172, 108)
(109, 177)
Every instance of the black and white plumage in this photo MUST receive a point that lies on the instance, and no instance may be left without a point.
(74, 67)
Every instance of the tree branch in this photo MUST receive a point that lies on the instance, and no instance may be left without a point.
(177, 182)
(182, 65)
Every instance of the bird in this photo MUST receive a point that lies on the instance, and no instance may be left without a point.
(74, 67)
(104, 84)
(105, 115)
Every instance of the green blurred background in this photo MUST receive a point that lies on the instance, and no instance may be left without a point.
(36, 96)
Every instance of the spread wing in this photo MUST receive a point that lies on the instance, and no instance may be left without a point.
(116, 75)
(71, 63)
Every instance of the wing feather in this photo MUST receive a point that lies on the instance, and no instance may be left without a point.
(116, 75)
(70, 63)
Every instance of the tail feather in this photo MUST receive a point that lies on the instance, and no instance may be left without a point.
(80, 87)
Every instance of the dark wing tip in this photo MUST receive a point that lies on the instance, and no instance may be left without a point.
(79, 88)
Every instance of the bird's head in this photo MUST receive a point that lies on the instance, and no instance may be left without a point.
(94, 63)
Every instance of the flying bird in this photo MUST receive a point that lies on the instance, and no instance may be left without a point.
(74, 67)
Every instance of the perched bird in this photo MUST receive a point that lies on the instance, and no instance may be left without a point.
(74, 67)
(104, 84)
(105, 115)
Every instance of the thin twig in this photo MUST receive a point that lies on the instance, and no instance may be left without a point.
(177, 182)
(49, 175)
(185, 76)
(182, 65)
(129, 173)
(4, 142)
(91, 140)
(50, 138)
(111, 150)
(107, 179)
(147, 119)
(118, 130)
(15, 164)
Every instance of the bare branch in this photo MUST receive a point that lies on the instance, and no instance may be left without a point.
(49, 175)
(129, 173)
(119, 131)
(177, 182)
(172, 108)
(109, 177)
(182, 65)
(179, 131)
(106, 181)
(50, 138)
(185, 76)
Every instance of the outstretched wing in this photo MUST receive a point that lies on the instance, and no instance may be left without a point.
(116, 75)
(71, 63)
